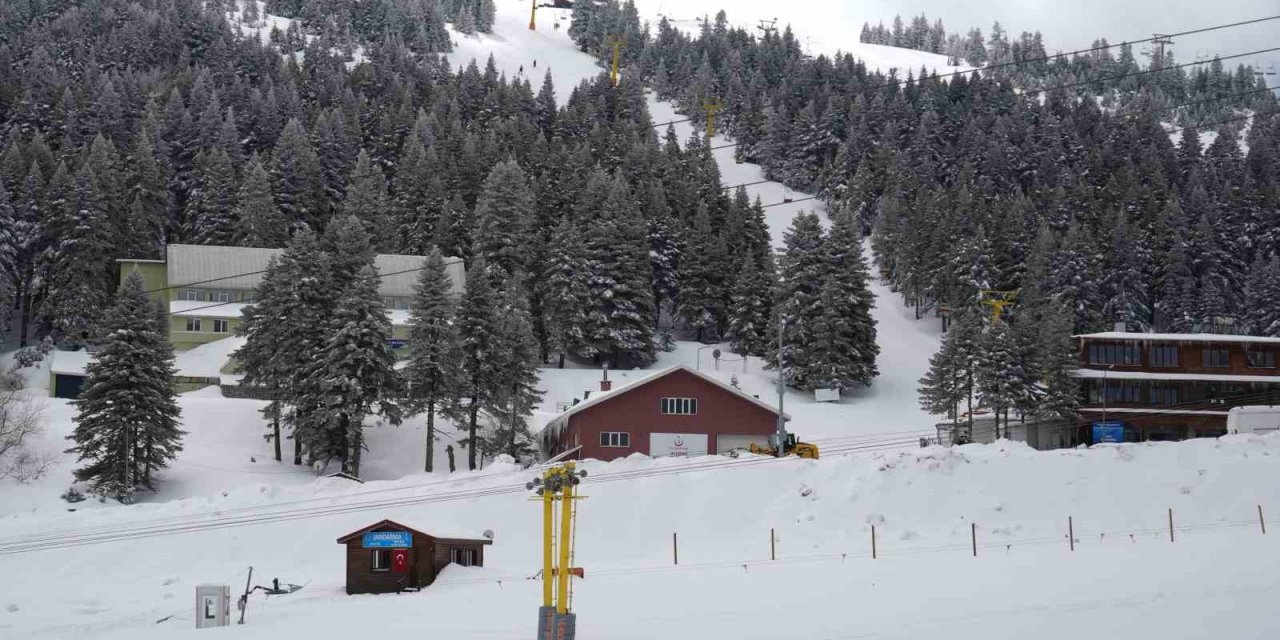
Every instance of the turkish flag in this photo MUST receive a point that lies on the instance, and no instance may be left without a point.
(399, 561)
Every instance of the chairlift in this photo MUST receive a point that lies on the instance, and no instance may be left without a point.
(1271, 69)
(787, 196)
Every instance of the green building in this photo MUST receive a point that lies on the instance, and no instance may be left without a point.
(207, 287)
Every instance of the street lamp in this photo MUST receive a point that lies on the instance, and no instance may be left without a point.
(698, 366)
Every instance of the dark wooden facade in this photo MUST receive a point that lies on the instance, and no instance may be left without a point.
(1168, 387)
(637, 410)
(427, 556)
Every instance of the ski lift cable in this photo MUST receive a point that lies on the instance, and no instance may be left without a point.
(1095, 49)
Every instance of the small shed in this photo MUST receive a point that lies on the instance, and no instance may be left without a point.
(388, 557)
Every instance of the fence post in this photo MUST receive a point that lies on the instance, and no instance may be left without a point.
(973, 533)
(1262, 523)
(1170, 524)
(1071, 533)
(675, 549)
(773, 545)
(873, 542)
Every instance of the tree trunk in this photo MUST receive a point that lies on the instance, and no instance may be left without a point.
(297, 448)
(449, 452)
(357, 446)
(24, 318)
(275, 429)
(471, 433)
(431, 436)
(561, 359)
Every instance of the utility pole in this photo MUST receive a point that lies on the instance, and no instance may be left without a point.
(768, 26)
(555, 620)
(712, 107)
(782, 389)
(616, 42)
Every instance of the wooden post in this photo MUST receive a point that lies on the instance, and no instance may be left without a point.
(1262, 523)
(973, 533)
(675, 549)
(773, 546)
(873, 542)
(1170, 524)
(1071, 533)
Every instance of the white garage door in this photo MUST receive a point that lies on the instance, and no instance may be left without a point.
(680, 445)
(725, 444)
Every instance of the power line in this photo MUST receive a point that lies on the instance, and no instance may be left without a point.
(1082, 83)
(1214, 123)
(1092, 49)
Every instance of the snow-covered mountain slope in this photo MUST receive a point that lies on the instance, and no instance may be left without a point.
(1124, 573)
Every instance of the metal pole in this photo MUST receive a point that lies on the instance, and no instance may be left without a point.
(675, 549)
(566, 523)
(782, 387)
(873, 542)
(245, 597)
(548, 540)
(1262, 523)
(1170, 524)
(1071, 533)
(973, 532)
(773, 546)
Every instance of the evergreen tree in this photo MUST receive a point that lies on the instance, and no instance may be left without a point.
(260, 222)
(77, 272)
(367, 200)
(804, 270)
(210, 206)
(619, 288)
(751, 307)
(1261, 293)
(355, 376)
(296, 171)
(126, 416)
(515, 389)
(432, 367)
(1002, 375)
(702, 287)
(477, 324)
(504, 217)
(951, 379)
(1057, 359)
(565, 287)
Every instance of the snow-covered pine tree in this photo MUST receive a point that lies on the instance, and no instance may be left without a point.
(8, 255)
(1056, 359)
(150, 201)
(702, 285)
(485, 10)
(565, 289)
(367, 200)
(209, 215)
(951, 380)
(477, 324)
(1124, 278)
(126, 416)
(355, 376)
(296, 171)
(1002, 375)
(804, 269)
(515, 389)
(504, 216)
(751, 306)
(259, 222)
(1261, 293)
(465, 22)
(432, 368)
(620, 293)
(305, 316)
(77, 269)
(855, 343)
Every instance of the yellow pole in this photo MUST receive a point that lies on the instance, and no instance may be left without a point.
(548, 541)
(712, 108)
(566, 522)
(533, 15)
(617, 55)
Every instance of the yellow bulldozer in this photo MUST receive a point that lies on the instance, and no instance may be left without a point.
(789, 448)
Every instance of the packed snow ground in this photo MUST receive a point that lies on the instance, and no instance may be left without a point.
(1219, 577)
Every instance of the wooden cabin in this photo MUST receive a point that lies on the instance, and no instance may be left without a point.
(388, 557)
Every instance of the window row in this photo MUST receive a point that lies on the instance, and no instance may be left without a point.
(216, 295)
(1167, 356)
(679, 406)
(615, 439)
(197, 325)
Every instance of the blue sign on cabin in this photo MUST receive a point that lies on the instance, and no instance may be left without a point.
(397, 343)
(1108, 432)
(387, 540)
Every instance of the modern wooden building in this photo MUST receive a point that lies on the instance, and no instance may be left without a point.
(388, 557)
(1153, 386)
(672, 412)
(206, 287)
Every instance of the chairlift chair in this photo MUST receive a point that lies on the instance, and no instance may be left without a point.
(787, 196)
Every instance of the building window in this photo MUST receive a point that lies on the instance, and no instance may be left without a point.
(463, 557)
(680, 406)
(1115, 391)
(248, 297)
(190, 294)
(220, 326)
(222, 296)
(381, 560)
(193, 324)
(1125, 354)
(1164, 395)
(1261, 359)
(1217, 358)
(615, 439)
(1164, 356)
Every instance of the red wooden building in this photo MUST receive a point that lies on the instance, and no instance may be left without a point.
(673, 412)
(388, 557)
(1172, 386)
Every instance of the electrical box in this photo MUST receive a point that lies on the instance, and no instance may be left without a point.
(213, 606)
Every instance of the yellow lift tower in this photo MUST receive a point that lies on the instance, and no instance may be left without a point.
(556, 491)
(712, 107)
(533, 15)
(998, 300)
(616, 43)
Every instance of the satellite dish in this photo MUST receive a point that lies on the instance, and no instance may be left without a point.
(715, 353)
(488, 534)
